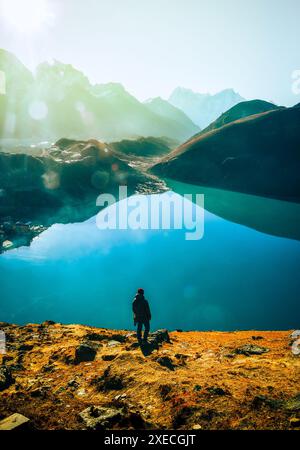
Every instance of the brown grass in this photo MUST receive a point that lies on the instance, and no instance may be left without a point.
(210, 387)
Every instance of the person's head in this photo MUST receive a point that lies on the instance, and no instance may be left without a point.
(140, 291)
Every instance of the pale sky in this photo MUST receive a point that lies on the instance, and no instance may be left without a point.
(153, 46)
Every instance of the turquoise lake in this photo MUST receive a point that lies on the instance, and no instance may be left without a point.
(235, 277)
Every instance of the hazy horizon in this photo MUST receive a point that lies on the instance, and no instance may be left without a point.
(152, 48)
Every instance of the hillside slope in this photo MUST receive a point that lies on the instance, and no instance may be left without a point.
(79, 377)
(239, 111)
(167, 110)
(143, 147)
(256, 155)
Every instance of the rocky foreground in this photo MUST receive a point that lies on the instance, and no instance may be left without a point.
(79, 377)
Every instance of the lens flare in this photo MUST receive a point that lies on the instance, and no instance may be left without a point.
(38, 110)
(28, 16)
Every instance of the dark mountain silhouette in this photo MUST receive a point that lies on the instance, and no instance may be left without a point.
(257, 155)
(239, 111)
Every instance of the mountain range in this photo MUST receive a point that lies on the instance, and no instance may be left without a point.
(203, 108)
(59, 101)
(252, 147)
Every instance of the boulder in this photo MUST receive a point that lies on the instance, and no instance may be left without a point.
(40, 392)
(84, 352)
(108, 382)
(48, 322)
(155, 340)
(215, 390)
(6, 378)
(97, 337)
(165, 361)
(15, 421)
(100, 418)
(293, 404)
(161, 336)
(108, 357)
(250, 349)
(25, 347)
(262, 400)
(118, 337)
(73, 384)
(295, 422)
(49, 368)
(181, 357)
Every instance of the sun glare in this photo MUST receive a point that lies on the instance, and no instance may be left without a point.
(25, 16)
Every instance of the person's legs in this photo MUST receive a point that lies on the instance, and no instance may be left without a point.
(139, 331)
(147, 329)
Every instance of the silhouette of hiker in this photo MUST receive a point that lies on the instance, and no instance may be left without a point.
(141, 314)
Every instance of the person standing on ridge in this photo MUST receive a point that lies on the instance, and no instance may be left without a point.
(141, 314)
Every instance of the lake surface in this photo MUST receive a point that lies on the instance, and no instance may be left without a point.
(235, 277)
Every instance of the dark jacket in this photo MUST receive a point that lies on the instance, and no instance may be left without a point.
(141, 309)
